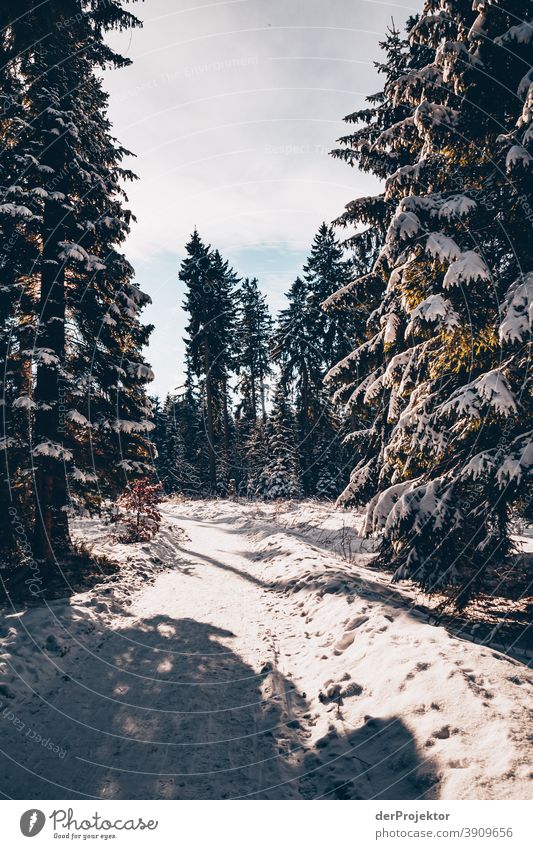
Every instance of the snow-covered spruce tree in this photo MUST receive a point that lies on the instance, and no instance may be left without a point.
(331, 460)
(307, 342)
(253, 368)
(384, 114)
(175, 438)
(332, 333)
(90, 406)
(18, 289)
(222, 333)
(281, 475)
(450, 352)
(193, 430)
(194, 273)
(211, 301)
(254, 331)
(325, 272)
(368, 148)
(164, 441)
(300, 361)
(255, 458)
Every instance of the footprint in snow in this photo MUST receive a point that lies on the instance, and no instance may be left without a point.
(52, 646)
(356, 622)
(443, 733)
(420, 667)
(345, 642)
(6, 692)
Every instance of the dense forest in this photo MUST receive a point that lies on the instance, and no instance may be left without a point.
(253, 417)
(397, 378)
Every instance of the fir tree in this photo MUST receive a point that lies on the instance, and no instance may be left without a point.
(376, 146)
(224, 345)
(211, 302)
(18, 290)
(252, 367)
(90, 411)
(447, 353)
(325, 272)
(281, 475)
(330, 460)
(254, 333)
(307, 343)
(196, 472)
(255, 457)
(164, 439)
(179, 460)
(194, 273)
(300, 362)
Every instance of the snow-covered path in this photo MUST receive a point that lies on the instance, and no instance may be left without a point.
(239, 656)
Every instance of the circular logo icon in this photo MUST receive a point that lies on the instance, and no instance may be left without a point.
(32, 822)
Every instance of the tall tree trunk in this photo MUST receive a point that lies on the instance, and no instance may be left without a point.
(263, 401)
(304, 445)
(51, 533)
(225, 416)
(210, 425)
(6, 505)
(254, 395)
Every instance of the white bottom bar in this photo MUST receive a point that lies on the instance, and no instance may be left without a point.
(264, 825)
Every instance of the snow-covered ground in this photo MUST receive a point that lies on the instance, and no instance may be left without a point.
(250, 651)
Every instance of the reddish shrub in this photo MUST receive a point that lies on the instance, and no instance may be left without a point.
(143, 519)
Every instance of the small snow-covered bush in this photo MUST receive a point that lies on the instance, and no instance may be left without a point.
(142, 518)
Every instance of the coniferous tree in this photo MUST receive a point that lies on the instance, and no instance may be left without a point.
(223, 335)
(325, 272)
(253, 367)
(211, 301)
(447, 350)
(376, 146)
(180, 466)
(89, 409)
(281, 474)
(164, 441)
(333, 332)
(194, 273)
(300, 363)
(331, 462)
(18, 291)
(254, 331)
(196, 454)
(307, 343)
(255, 457)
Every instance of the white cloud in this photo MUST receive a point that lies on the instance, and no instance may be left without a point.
(231, 109)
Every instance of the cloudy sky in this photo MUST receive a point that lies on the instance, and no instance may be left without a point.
(231, 108)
